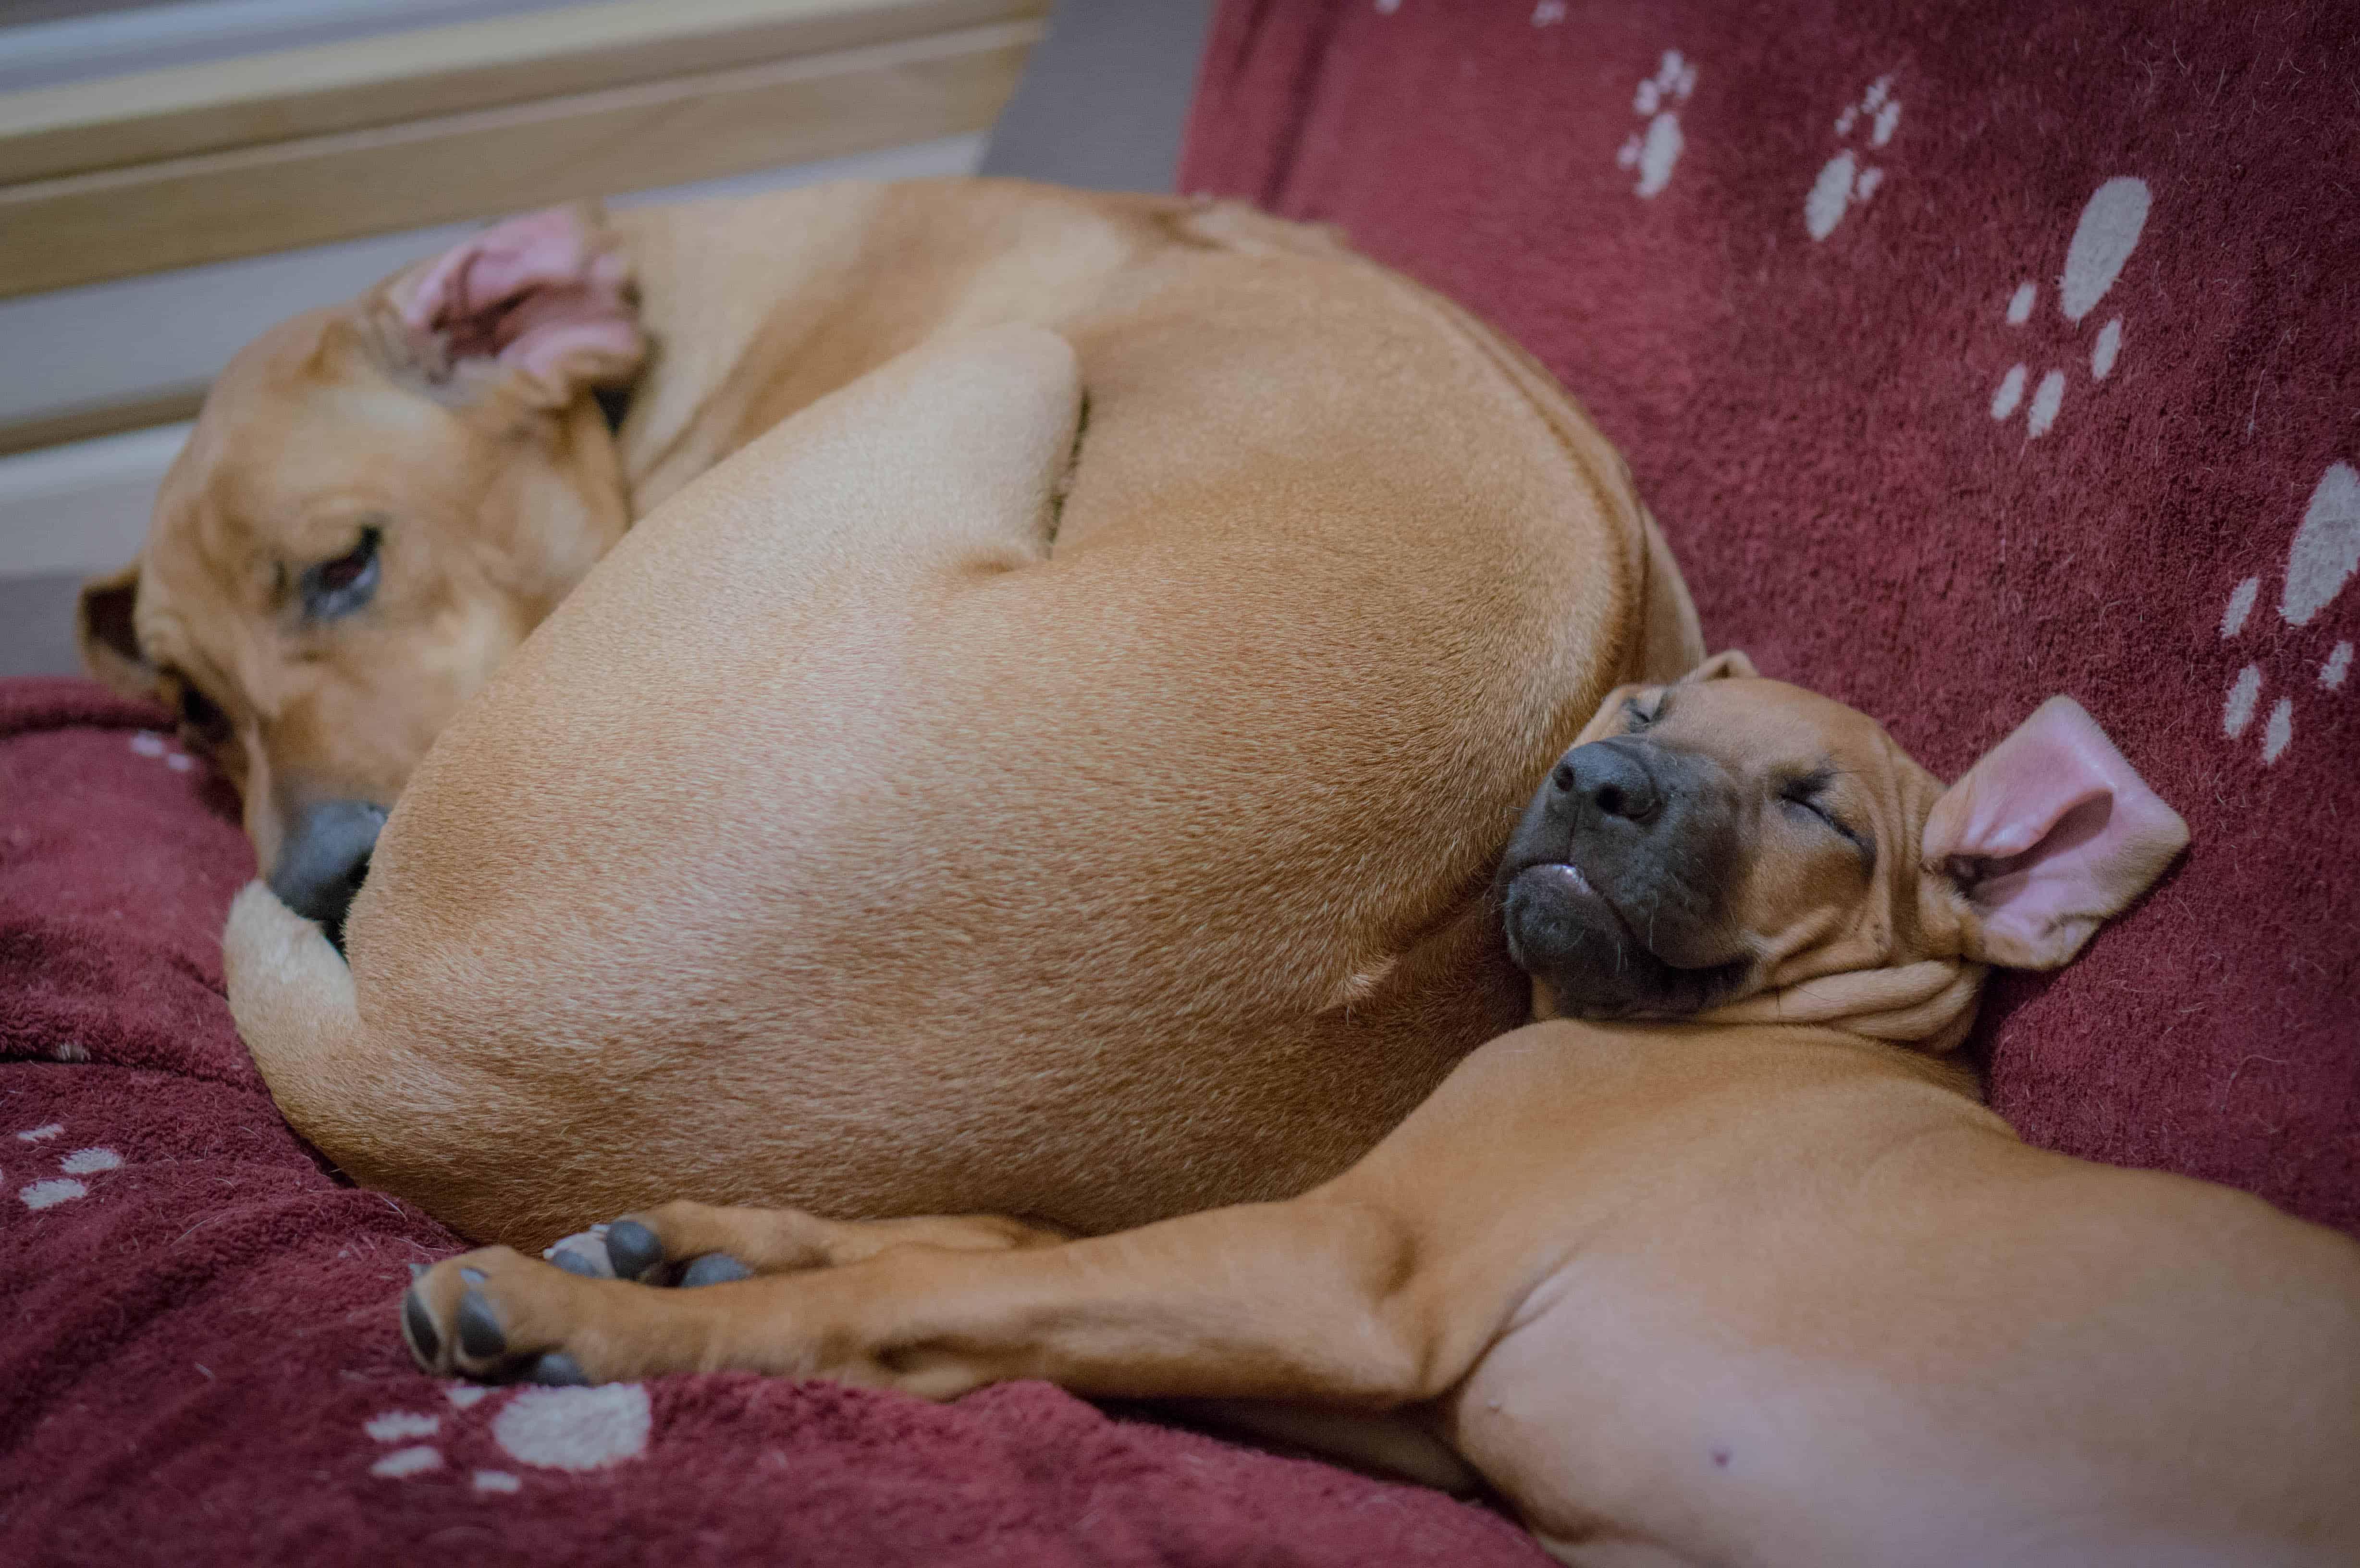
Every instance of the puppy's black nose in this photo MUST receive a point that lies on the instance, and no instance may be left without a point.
(1611, 780)
(325, 859)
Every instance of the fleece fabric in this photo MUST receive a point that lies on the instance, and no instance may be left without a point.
(199, 1361)
(1968, 354)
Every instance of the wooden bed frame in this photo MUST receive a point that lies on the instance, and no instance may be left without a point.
(199, 163)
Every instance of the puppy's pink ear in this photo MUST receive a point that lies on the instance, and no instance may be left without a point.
(2048, 834)
(549, 296)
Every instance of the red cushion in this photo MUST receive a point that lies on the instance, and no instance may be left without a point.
(197, 1356)
(1803, 330)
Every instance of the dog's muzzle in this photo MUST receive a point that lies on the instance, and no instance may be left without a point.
(325, 859)
(1609, 879)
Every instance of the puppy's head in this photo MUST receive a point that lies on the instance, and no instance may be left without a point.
(1733, 848)
(378, 502)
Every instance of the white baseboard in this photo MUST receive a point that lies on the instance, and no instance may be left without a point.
(81, 507)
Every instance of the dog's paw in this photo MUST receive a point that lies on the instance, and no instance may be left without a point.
(634, 1249)
(498, 1316)
(689, 1245)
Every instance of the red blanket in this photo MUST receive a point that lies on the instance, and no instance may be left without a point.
(197, 1356)
(1968, 354)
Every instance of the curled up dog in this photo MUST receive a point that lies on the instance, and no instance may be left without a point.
(1040, 745)
(1719, 1261)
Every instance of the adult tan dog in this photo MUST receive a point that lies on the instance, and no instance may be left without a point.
(380, 500)
(1731, 1271)
(1057, 769)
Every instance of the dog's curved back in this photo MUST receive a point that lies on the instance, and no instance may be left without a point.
(1137, 863)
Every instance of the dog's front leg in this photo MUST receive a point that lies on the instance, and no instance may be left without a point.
(686, 1243)
(1316, 1300)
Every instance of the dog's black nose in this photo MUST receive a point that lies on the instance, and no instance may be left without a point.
(325, 859)
(1612, 780)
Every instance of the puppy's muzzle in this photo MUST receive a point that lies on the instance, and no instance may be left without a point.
(1605, 785)
(325, 859)
(1609, 885)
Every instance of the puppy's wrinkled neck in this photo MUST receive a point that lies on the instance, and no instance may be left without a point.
(1929, 1005)
(1926, 1006)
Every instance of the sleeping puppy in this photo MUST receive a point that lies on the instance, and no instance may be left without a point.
(1722, 1263)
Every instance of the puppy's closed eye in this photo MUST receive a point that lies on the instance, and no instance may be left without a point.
(1811, 794)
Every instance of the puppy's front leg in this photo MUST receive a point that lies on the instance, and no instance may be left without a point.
(1316, 1300)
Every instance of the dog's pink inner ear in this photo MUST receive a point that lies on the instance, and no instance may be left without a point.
(546, 294)
(2051, 833)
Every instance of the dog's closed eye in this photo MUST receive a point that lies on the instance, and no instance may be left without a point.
(1809, 793)
(336, 588)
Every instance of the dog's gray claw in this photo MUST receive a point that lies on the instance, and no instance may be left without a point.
(576, 1261)
(713, 1268)
(471, 1276)
(634, 1250)
(480, 1335)
(418, 1327)
(557, 1370)
(582, 1253)
(417, 1273)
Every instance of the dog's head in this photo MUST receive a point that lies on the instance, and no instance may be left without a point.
(380, 501)
(1737, 849)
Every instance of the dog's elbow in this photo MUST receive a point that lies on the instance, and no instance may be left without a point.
(1394, 1346)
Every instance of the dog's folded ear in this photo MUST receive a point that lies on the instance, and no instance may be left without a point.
(2051, 833)
(1729, 664)
(110, 648)
(548, 298)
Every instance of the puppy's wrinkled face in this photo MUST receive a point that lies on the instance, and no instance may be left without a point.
(1712, 839)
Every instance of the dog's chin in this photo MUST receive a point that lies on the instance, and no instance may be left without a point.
(1563, 930)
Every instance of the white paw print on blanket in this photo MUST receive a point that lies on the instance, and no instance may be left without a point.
(1653, 151)
(2323, 559)
(2112, 221)
(50, 1191)
(1845, 181)
(147, 743)
(576, 1429)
